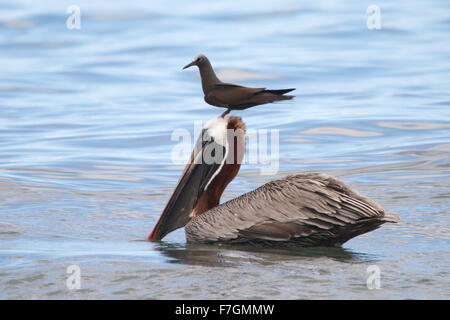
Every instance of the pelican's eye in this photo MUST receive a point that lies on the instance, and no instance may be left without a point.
(206, 138)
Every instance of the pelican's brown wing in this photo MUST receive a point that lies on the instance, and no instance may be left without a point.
(304, 210)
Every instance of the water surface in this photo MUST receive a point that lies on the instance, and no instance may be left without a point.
(86, 118)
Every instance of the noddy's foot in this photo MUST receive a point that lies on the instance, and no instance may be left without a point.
(225, 113)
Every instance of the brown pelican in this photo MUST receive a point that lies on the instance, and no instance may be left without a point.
(310, 209)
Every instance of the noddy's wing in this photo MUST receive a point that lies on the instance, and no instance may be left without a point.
(307, 209)
(227, 95)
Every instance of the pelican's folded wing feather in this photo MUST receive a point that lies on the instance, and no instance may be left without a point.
(307, 209)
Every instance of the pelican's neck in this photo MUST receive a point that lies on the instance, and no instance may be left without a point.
(211, 197)
(228, 170)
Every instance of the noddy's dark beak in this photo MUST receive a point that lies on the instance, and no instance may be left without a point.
(189, 65)
(190, 187)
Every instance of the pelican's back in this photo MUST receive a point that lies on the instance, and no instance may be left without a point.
(299, 210)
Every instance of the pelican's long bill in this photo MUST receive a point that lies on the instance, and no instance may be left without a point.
(211, 167)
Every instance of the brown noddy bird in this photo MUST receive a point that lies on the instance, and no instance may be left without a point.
(232, 96)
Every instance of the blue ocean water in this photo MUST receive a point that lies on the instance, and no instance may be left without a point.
(86, 117)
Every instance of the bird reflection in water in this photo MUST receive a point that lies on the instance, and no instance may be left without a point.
(231, 255)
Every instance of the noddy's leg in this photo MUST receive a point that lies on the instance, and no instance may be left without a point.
(225, 113)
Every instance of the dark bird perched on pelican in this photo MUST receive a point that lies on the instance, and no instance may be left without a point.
(299, 210)
(232, 96)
